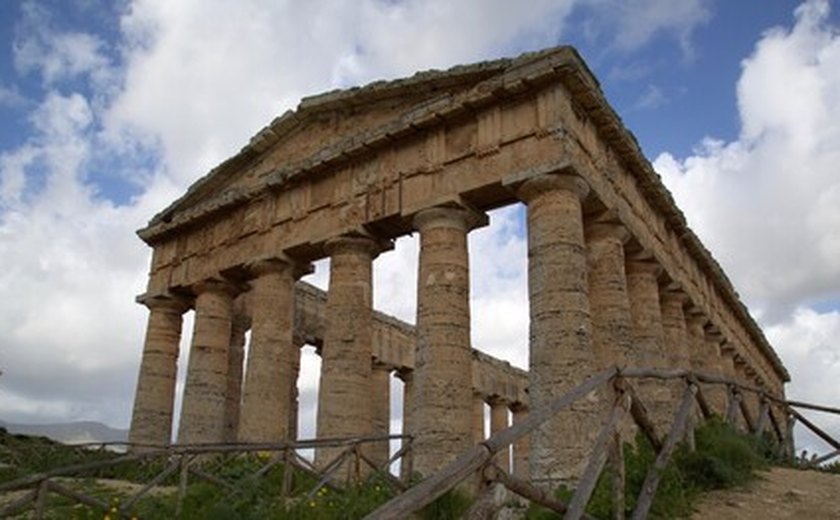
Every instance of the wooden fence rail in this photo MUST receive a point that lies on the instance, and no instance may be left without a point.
(186, 458)
(480, 458)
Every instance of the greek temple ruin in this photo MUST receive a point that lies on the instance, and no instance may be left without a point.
(615, 276)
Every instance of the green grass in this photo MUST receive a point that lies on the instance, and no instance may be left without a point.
(723, 458)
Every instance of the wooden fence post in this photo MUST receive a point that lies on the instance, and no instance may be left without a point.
(655, 473)
(596, 462)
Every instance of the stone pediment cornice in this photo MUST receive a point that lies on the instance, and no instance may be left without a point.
(509, 76)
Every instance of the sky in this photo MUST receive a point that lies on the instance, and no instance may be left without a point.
(110, 110)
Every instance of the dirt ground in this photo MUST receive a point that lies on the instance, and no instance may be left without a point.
(777, 494)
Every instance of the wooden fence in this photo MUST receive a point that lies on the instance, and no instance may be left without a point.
(774, 418)
(480, 459)
(192, 461)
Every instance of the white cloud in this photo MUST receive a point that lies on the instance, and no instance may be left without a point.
(768, 203)
(652, 97)
(193, 65)
(808, 342)
(10, 97)
(631, 24)
(54, 55)
(778, 183)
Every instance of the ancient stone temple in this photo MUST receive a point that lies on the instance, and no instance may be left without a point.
(615, 275)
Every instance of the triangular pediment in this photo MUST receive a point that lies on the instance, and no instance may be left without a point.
(323, 121)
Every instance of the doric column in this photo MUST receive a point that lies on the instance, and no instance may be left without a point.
(271, 354)
(294, 395)
(344, 404)
(233, 394)
(645, 309)
(442, 403)
(646, 312)
(407, 463)
(498, 422)
(727, 359)
(380, 398)
(612, 326)
(674, 330)
(675, 339)
(704, 358)
(695, 324)
(520, 447)
(561, 355)
(151, 419)
(746, 374)
(203, 409)
(477, 418)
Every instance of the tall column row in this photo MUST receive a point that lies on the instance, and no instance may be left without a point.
(596, 300)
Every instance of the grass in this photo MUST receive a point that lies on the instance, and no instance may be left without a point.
(722, 458)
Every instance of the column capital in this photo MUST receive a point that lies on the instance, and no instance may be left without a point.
(165, 302)
(696, 320)
(674, 297)
(561, 181)
(450, 215)
(497, 400)
(278, 264)
(651, 267)
(405, 375)
(602, 230)
(518, 407)
(357, 243)
(218, 286)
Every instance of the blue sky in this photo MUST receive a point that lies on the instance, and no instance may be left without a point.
(110, 110)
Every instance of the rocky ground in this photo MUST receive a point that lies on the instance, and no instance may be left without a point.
(780, 493)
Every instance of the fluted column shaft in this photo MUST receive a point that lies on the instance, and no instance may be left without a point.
(380, 398)
(151, 419)
(561, 354)
(267, 395)
(520, 447)
(704, 358)
(294, 395)
(674, 330)
(478, 418)
(344, 405)
(498, 422)
(203, 409)
(612, 325)
(407, 463)
(727, 361)
(646, 312)
(442, 406)
(675, 339)
(233, 396)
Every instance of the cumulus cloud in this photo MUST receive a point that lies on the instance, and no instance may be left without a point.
(631, 24)
(193, 65)
(768, 203)
(777, 184)
(55, 56)
(10, 97)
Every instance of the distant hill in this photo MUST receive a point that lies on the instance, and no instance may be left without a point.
(70, 433)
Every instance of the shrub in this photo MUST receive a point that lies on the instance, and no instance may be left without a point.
(722, 458)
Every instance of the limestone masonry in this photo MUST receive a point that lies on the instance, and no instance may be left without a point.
(615, 275)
